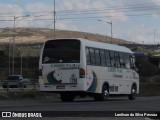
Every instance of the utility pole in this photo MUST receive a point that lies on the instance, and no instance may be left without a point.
(21, 56)
(54, 20)
(9, 57)
(14, 30)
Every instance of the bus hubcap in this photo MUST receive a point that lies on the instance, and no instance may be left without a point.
(105, 94)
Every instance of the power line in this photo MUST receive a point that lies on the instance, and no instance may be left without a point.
(88, 17)
(92, 13)
(111, 8)
(96, 17)
(116, 8)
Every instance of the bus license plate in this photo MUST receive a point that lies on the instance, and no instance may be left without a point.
(60, 87)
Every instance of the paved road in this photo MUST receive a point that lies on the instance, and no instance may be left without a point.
(141, 104)
(114, 104)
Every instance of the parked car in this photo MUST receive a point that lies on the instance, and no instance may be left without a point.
(15, 81)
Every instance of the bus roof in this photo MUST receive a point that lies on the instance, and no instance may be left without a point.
(100, 45)
(106, 46)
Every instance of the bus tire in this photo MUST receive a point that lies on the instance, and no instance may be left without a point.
(105, 92)
(66, 97)
(104, 95)
(133, 94)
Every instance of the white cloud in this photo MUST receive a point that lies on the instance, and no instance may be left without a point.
(100, 9)
(75, 4)
(98, 4)
(7, 13)
(38, 7)
(157, 2)
(68, 5)
(113, 15)
(66, 26)
(143, 34)
(39, 11)
(10, 9)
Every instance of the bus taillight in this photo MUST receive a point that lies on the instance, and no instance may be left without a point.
(40, 72)
(81, 73)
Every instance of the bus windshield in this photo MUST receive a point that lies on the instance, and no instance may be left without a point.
(61, 51)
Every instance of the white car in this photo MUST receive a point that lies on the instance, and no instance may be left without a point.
(15, 81)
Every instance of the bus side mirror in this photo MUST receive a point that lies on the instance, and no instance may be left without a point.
(137, 70)
(138, 67)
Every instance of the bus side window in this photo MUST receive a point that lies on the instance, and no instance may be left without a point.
(117, 59)
(122, 62)
(108, 60)
(97, 56)
(88, 57)
(103, 58)
(92, 55)
(112, 58)
(127, 61)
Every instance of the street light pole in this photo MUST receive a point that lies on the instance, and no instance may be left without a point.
(111, 28)
(14, 30)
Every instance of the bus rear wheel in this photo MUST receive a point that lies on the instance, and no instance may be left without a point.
(66, 97)
(103, 96)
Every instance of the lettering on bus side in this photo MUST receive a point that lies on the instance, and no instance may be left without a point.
(66, 66)
(112, 69)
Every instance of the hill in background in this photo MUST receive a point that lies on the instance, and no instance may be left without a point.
(36, 35)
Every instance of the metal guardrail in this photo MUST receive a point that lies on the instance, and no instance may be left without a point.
(26, 86)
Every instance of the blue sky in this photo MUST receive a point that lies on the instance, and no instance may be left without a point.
(133, 20)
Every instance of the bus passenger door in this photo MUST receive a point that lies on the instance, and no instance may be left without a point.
(127, 74)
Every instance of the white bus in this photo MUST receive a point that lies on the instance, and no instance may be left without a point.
(74, 67)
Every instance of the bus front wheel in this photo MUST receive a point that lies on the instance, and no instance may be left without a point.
(133, 94)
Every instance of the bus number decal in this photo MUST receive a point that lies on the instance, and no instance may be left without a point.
(73, 78)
